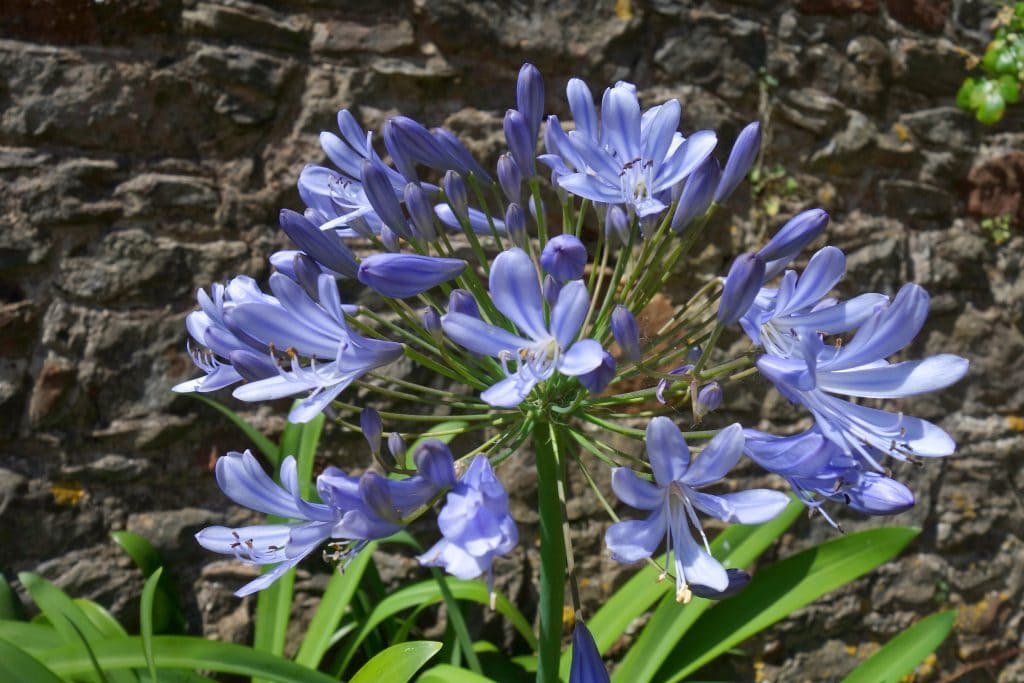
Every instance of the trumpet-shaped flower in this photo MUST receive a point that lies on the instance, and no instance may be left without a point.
(545, 349)
(673, 499)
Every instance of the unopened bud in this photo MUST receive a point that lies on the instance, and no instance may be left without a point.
(373, 427)
(564, 258)
(626, 332)
(741, 287)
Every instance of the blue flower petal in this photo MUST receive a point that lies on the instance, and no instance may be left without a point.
(635, 539)
(717, 458)
(667, 451)
(515, 290)
(568, 314)
(480, 337)
(636, 492)
(582, 357)
(897, 380)
(752, 506)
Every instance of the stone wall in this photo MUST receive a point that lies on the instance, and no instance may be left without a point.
(146, 147)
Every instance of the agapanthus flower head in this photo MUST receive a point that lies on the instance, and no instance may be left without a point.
(546, 349)
(673, 499)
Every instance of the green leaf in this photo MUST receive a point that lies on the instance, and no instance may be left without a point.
(964, 95)
(904, 652)
(780, 589)
(265, 445)
(398, 663)
(18, 665)
(146, 620)
(180, 652)
(308, 442)
(32, 637)
(427, 592)
(439, 428)
(168, 616)
(103, 620)
(10, 606)
(1009, 89)
(446, 673)
(68, 619)
(738, 546)
(333, 604)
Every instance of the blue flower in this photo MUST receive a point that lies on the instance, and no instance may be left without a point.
(673, 499)
(475, 524)
(635, 161)
(355, 509)
(859, 369)
(515, 289)
(317, 330)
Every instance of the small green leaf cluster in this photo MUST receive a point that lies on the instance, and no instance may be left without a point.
(1003, 65)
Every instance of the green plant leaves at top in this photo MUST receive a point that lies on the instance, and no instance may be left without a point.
(167, 613)
(146, 620)
(446, 673)
(780, 589)
(904, 652)
(18, 665)
(10, 606)
(398, 663)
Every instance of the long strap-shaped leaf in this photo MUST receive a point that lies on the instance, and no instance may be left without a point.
(18, 665)
(904, 652)
(180, 652)
(398, 663)
(780, 589)
(737, 546)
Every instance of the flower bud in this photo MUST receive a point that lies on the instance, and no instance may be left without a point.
(459, 156)
(381, 196)
(389, 239)
(876, 494)
(564, 257)
(515, 225)
(586, 665)
(373, 428)
(461, 301)
(741, 158)
(626, 332)
(455, 193)
(741, 286)
(307, 273)
(664, 384)
(420, 211)
(396, 445)
(598, 379)
(399, 153)
(530, 97)
(616, 224)
(709, 398)
(325, 247)
(520, 144)
(360, 226)
(509, 177)
(432, 323)
(697, 193)
(404, 275)
(434, 463)
(552, 288)
(414, 142)
(581, 104)
(791, 239)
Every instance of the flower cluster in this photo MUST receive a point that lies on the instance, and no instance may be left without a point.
(535, 330)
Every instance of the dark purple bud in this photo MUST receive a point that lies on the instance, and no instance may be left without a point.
(382, 198)
(530, 97)
(741, 286)
(399, 153)
(598, 379)
(552, 288)
(509, 177)
(741, 158)
(374, 491)
(434, 463)
(564, 257)
(698, 191)
(415, 142)
(586, 665)
(389, 239)
(708, 398)
(307, 273)
(396, 446)
(876, 494)
(694, 354)
(626, 332)
(520, 143)
(325, 247)
(461, 158)
(421, 211)
(616, 225)
(664, 384)
(791, 239)
(252, 366)
(515, 225)
(373, 428)
(461, 301)
(455, 192)
(432, 323)
(738, 579)
(404, 275)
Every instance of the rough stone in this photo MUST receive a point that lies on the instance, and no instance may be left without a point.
(341, 37)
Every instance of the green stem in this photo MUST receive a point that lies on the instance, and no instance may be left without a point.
(552, 552)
